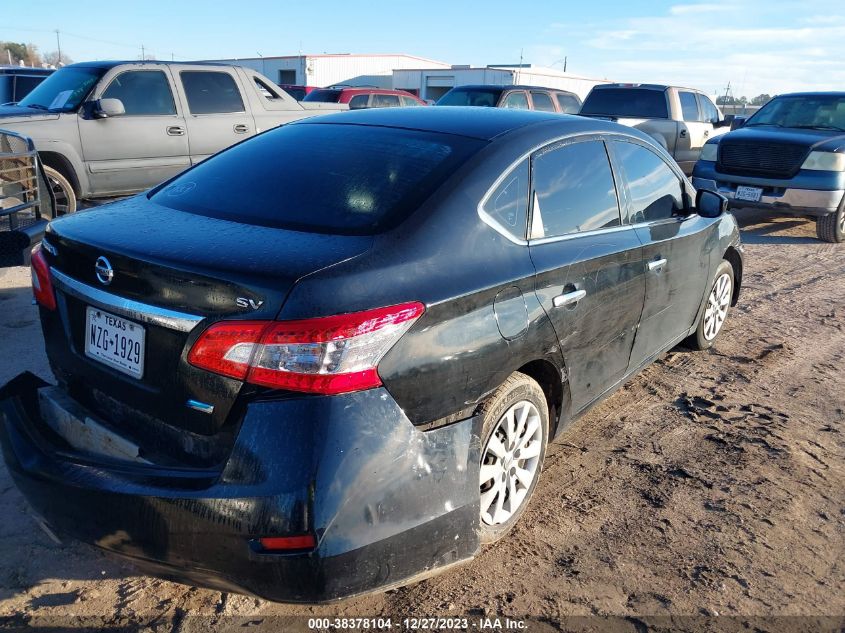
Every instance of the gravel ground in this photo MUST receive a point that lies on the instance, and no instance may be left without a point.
(712, 483)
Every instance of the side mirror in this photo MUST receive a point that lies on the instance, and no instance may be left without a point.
(710, 204)
(726, 122)
(738, 122)
(105, 108)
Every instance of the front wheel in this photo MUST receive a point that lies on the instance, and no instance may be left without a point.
(715, 310)
(514, 435)
(831, 227)
(62, 191)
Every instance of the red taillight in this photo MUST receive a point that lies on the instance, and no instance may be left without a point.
(42, 286)
(328, 355)
(287, 543)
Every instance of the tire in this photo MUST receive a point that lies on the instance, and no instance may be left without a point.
(717, 306)
(831, 227)
(62, 191)
(500, 482)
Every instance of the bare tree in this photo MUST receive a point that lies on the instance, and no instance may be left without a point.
(52, 58)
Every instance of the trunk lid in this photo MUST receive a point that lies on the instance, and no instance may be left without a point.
(167, 262)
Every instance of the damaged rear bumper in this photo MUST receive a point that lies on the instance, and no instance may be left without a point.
(386, 502)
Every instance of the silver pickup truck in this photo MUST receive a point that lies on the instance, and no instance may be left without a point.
(682, 120)
(113, 128)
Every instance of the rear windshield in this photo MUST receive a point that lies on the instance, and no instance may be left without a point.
(295, 92)
(321, 178)
(482, 97)
(634, 103)
(324, 96)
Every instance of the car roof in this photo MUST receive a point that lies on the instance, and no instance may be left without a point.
(819, 93)
(106, 64)
(480, 123)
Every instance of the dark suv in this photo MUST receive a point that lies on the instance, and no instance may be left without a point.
(329, 359)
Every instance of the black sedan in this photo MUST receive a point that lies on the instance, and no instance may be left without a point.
(329, 360)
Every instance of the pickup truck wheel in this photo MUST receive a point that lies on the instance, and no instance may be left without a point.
(831, 227)
(716, 309)
(62, 191)
(514, 436)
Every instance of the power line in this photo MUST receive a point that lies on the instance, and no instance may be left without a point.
(123, 45)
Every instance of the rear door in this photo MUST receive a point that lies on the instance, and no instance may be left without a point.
(144, 146)
(516, 99)
(217, 115)
(676, 247)
(590, 277)
(693, 132)
(542, 101)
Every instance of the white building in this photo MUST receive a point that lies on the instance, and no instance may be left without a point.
(328, 70)
(433, 82)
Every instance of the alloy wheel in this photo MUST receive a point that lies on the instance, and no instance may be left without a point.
(510, 462)
(717, 306)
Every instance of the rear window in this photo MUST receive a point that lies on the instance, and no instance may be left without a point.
(321, 178)
(323, 96)
(635, 103)
(471, 97)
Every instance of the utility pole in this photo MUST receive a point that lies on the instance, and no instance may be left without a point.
(143, 55)
(59, 46)
(564, 64)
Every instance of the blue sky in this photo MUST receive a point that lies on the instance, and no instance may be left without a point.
(758, 45)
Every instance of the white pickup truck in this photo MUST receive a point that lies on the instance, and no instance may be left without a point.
(682, 120)
(113, 128)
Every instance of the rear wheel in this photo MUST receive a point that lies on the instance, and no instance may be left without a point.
(716, 309)
(62, 191)
(831, 227)
(514, 435)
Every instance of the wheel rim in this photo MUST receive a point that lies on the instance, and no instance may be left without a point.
(510, 462)
(61, 196)
(842, 221)
(717, 306)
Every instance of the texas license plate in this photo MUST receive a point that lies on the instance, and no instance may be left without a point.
(115, 342)
(748, 194)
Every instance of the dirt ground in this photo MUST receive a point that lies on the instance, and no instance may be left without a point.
(713, 483)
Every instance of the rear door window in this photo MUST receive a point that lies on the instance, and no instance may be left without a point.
(507, 205)
(516, 100)
(321, 177)
(542, 101)
(575, 190)
(689, 106)
(635, 103)
(211, 92)
(142, 92)
(654, 189)
(385, 101)
(409, 103)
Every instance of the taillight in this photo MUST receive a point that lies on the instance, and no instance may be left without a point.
(287, 543)
(42, 286)
(328, 355)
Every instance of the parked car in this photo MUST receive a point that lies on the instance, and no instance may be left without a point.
(360, 98)
(285, 388)
(788, 158)
(18, 81)
(296, 91)
(114, 128)
(517, 97)
(680, 119)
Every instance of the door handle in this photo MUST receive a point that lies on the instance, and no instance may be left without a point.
(569, 298)
(683, 134)
(706, 133)
(175, 130)
(241, 128)
(657, 265)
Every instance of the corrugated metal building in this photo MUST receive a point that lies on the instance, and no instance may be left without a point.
(432, 83)
(333, 69)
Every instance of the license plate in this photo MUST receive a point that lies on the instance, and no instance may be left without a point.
(749, 194)
(115, 342)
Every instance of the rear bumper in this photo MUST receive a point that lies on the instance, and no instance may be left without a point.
(386, 502)
(790, 197)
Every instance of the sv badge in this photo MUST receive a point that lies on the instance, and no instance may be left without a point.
(243, 302)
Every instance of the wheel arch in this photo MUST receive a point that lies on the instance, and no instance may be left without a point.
(64, 166)
(733, 257)
(549, 377)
